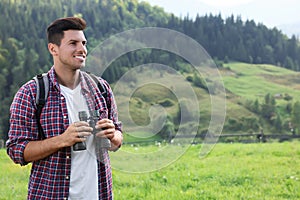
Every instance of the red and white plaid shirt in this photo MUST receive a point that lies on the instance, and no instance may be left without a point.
(50, 177)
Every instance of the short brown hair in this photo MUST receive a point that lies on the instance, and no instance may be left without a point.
(55, 31)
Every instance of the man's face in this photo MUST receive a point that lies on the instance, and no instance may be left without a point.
(72, 50)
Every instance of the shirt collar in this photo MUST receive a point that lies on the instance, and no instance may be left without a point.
(53, 78)
(86, 85)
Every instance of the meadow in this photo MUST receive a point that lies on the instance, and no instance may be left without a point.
(259, 171)
(254, 81)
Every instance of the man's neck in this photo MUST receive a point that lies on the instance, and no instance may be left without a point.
(68, 78)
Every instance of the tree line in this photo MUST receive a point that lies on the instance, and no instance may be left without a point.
(23, 49)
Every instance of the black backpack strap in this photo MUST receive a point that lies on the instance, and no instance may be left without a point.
(102, 89)
(42, 83)
(100, 85)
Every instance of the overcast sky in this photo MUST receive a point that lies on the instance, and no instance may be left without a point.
(269, 12)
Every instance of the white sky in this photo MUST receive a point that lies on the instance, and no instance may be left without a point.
(269, 12)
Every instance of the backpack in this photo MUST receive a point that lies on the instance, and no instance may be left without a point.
(42, 83)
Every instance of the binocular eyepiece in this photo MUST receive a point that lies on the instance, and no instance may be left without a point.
(92, 120)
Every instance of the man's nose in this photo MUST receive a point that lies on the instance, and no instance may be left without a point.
(82, 47)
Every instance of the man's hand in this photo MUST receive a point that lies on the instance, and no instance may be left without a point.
(76, 132)
(37, 150)
(108, 130)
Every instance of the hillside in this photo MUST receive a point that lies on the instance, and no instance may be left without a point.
(258, 97)
(276, 91)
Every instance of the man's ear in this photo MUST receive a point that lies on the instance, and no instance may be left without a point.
(53, 49)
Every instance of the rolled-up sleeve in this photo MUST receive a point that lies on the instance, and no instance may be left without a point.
(22, 125)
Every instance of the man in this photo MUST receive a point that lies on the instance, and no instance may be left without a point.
(58, 171)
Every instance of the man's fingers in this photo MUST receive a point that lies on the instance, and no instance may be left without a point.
(82, 129)
(105, 124)
(80, 123)
(107, 133)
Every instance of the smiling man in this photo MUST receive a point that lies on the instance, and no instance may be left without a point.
(60, 171)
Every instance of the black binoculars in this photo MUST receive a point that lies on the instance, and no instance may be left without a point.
(92, 120)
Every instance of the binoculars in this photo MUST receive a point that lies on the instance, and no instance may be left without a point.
(92, 120)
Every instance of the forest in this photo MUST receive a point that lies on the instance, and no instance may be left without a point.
(23, 48)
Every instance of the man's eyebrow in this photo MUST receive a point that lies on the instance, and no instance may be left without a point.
(74, 40)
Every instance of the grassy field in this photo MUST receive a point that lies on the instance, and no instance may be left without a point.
(255, 81)
(259, 171)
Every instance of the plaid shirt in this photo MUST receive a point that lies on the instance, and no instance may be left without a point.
(50, 177)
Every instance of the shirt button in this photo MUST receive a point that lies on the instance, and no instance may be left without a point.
(65, 117)
(62, 98)
(65, 198)
(67, 177)
(68, 157)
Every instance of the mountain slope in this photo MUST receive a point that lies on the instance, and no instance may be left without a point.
(248, 88)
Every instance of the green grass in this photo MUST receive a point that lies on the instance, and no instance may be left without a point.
(255, 81)
(259, 171)
(13, 178)
(231, 171)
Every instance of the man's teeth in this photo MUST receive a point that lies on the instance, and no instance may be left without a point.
(79, 57)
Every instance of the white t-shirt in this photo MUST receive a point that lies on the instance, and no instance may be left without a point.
(84, 172)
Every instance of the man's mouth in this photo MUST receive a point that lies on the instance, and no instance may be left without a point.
(80, 57)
